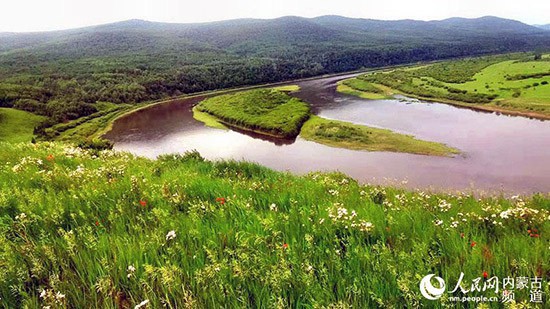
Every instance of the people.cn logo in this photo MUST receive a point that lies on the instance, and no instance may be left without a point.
(428, 290)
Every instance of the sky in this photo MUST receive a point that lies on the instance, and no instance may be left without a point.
(44, 15)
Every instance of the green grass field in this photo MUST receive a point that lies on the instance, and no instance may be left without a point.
(16, 125)
(87, 229)
(351, 136)
(266, 111)
(512, 83)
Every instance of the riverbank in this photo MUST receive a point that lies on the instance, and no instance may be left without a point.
(489, 84)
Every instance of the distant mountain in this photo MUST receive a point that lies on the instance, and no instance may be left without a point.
(137, 60)
(545, 27)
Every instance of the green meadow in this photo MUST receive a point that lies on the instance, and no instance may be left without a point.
(100, 229)
(16, 125)
(516, 84)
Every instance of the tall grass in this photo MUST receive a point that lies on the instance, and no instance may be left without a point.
(89, 229)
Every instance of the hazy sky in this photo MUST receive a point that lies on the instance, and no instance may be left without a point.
(39, 15)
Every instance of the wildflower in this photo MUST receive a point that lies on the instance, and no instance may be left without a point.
(21, 216)
(50, 158)
(59, 296)
(273, 207)
(96, 223)
(143, 203)
(438, 222)
(131, 270)
(43, 294)
(142, 304)
(285, 246)
(485, 275)
(473, 244)
(220, 200)
(171, 235)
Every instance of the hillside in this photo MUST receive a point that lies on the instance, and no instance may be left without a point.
(107, 230)
(63, 74)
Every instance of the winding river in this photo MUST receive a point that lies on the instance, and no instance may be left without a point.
(501, 154)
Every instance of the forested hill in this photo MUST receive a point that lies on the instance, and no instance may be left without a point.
(62, 74)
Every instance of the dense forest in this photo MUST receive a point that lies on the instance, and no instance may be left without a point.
(65, 74)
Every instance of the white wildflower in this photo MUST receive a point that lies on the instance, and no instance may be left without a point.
(171, 235)
(59, 296)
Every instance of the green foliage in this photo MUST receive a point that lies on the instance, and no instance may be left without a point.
(109, 230)
(266, 111)
(404, 81)
(460, 71)
(352, 136)
(508, 83)
(64, 74)
(362, 85)
(17, 126)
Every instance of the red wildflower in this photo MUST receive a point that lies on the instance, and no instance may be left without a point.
(143, 203)
(461, 235)
(285, 246)
(97, 223)
(220, 200)
(50, 158)
(473, 244)
(535, 235)
(485, 275)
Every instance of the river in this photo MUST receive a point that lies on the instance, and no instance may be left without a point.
(500, 154)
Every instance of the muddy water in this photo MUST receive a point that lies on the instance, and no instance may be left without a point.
(500, 153)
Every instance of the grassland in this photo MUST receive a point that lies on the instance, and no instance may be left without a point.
(16, 125)
(88, 229)
(351, 136)
(265, 111)
(514, 84)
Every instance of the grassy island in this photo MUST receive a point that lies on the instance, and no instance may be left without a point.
(514, 84)
(265, 111)
(352, 136)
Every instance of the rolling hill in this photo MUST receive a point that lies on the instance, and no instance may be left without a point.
(62, 74)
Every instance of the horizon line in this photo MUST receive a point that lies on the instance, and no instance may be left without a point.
(253, 18)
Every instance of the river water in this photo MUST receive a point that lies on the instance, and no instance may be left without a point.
(500, 154)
